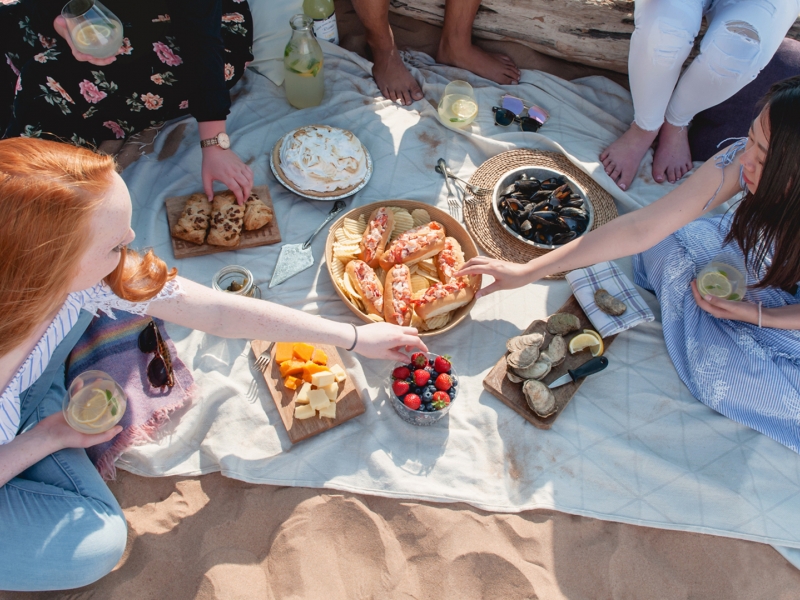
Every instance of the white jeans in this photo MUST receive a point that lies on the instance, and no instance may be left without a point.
(742, 36)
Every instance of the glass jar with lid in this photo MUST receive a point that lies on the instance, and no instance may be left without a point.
(238, 280)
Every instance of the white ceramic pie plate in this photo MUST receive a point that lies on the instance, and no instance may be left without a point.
(310, 196)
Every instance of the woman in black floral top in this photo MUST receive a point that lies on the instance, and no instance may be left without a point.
(178, 57)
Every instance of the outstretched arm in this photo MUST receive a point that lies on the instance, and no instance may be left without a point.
(626, 235)
(226, 315)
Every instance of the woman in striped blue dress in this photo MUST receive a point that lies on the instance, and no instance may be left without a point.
(741, 358)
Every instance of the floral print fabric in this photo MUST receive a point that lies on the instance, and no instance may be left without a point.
(46, 92)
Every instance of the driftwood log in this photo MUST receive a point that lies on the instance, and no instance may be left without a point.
(589, 32)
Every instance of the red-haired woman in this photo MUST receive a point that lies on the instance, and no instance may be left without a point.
(64, 228)
(741, 358)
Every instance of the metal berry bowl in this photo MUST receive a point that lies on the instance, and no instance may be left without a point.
(542, 207)
(425, 404)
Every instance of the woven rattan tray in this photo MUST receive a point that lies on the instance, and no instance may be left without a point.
(482, 223)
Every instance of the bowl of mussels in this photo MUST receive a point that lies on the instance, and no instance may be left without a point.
(542, 207)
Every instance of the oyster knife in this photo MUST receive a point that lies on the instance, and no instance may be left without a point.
(590, 367)
(295, 258)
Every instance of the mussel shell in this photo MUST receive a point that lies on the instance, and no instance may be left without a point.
(561, 225)
(528, 186)
(525, 226)
(572, 203)
(507, 191)
(563, 238)
(552, 183)
(562, 192)
(570, 211)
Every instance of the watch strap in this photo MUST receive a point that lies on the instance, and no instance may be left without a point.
(209, 142)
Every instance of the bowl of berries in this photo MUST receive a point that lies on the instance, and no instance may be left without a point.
(423, 390)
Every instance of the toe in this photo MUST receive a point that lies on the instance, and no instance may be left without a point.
(616, 173)
(604, 156)
(609, 166)
(416, 93)
(405, 97)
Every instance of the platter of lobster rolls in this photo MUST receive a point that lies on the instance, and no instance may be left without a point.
(396, 261)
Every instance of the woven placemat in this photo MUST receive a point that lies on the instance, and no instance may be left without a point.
(479, 216)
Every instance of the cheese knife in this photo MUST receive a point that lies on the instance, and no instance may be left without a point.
(590, 367)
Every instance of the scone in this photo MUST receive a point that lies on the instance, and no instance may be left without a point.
(256, 213)
(193, 224)
(320, 161)
(227, 219)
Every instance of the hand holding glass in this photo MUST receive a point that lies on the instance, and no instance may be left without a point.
(723, 277)
(93, 28)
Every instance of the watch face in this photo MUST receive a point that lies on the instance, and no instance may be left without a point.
(224, 141)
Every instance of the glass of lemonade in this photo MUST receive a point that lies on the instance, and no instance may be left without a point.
(302, 65)
(94, 402)
(724, 277)
(458, 107)
(94, 29)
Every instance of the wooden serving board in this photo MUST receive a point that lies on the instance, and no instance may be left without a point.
(269, 234)
(348, 403)
(510, 393)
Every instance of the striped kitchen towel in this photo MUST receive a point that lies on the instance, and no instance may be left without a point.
(608, 276)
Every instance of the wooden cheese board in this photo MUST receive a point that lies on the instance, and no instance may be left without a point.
(510, 393)
(349, 403)
(269, 234)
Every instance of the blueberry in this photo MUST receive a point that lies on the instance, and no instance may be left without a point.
(452, 393)
(427, 395)
(416, 389)
(431, 387)
(453, 381)
(429, 407)
(411, 367)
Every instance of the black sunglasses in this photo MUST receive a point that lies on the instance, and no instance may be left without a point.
(159, 371)
(504, 117)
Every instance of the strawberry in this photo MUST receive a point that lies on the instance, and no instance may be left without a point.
(440, 400)
(412, 401)
(421, 377)
(419, 359)
(400, 387)
(443, 382)
(442, 364)
(401, 373)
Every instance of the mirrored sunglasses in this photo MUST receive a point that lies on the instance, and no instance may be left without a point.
(159, 370)
(512, 109)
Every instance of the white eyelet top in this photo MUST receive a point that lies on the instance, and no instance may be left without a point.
(99, 297)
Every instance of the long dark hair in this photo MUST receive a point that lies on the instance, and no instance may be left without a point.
(769, 219)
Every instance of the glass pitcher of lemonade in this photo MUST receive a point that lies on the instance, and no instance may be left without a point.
(302, 65)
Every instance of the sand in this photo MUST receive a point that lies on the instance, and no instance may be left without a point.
(214, 537)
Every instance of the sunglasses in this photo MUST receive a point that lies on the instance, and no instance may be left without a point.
(511, 111)
(159, 371)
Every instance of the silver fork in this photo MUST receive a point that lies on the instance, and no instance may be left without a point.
(452, 201)
(473, 189)
(263, 361)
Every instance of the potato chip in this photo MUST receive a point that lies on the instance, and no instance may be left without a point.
(341, 236)
(420, 216)
(345, 252)
(376, 318)
(355, 227)
(438, 321)
(354, 296)
(402, 223)
(337, 269)
(416, 321)
(418, 294)
(419, 283)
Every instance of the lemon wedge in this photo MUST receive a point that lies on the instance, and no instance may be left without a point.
(90, 411)
(716, 284)
(464, 109)
(588, 339)
(89, 35)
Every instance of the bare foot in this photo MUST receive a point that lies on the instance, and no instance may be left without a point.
(393, 79)
(622, 158)
(496, 67)
(673, 159)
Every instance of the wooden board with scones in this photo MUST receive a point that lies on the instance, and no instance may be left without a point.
(310, 387)
(510, 392)
(199, 227)
(395, 261)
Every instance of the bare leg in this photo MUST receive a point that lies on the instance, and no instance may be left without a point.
(673, 158)
(622, 158)
(455, 47)
(391, 75)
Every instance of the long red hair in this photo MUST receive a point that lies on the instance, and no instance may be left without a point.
(48, 193)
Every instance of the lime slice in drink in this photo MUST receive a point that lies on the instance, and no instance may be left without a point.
(90, 411)
(463, 110)
(716, 284)
(87, 35)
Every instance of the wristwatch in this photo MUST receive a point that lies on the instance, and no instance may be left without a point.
(221, 139)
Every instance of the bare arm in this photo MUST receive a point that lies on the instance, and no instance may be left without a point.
(624, 236)
(226, 315)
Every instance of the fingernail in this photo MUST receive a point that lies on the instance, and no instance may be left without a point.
(708, 297)
(623, 187)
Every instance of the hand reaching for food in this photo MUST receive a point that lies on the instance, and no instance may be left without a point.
(384, 340)
(227, 168)
(507, 275)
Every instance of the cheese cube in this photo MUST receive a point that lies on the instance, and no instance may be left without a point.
(304, 411)
(302, 395)
(328, 411)
(338, 372)
(332, 390)
(322, 379)
(318, 399)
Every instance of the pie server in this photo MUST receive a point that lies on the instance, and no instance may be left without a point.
(295, 258)
(590, 367)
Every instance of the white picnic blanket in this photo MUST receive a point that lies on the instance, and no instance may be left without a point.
(632, 446)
